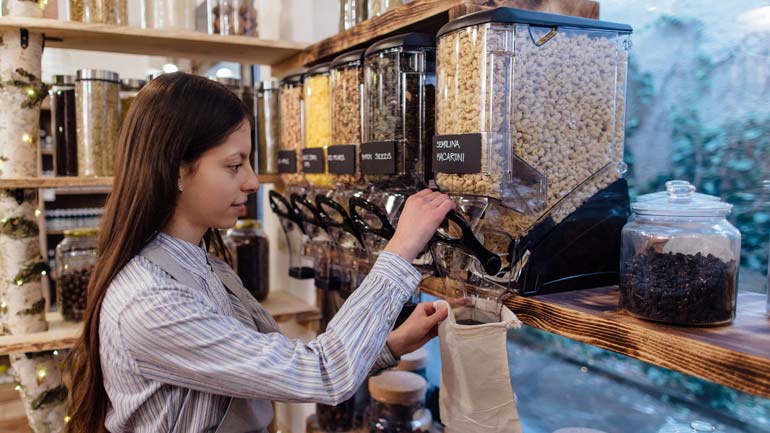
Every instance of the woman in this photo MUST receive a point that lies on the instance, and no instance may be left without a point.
(172, 342)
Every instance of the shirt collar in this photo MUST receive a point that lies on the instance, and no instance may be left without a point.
(192, 257)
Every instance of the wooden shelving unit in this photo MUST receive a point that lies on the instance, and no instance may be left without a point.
(281, 304)
(737, 355)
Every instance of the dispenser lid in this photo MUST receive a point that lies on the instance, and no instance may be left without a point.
(293, 79)
(680, 199)
(397, 387)
(349, 57)
(507, 15)
(406, 40)
(321, 68)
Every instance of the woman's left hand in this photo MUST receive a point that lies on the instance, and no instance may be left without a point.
(418, 328)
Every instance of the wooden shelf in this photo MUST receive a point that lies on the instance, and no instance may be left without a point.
(422, 16)
(166, 43)
(737, 356)
(281, 304)
(95, 185)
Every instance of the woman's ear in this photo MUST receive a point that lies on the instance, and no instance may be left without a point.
(184, 171)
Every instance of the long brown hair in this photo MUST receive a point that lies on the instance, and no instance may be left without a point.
(173, 121)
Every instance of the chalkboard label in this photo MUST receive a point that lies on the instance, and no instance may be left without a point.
(341, 159)
(287, 161)
(460, 154)
(313, 160)
(378, 157)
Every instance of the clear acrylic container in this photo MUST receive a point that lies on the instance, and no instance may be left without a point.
(251, 254)
(98, 121)
(99, 11)
(268, 126)
(168, 14)
(75, 259)
(680, 259)
(233, 17)
(399, 89)
(529, 109)
(347, 74)
(398, 403)
(291, 133)
(63, 125)
(318, 125)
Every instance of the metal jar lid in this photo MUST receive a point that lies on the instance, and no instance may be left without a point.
(269, 85)
(98, 75)
(132, 84)
(64, 80)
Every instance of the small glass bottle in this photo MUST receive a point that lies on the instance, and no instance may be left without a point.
(75, 259)
(251, 251)
(63, 125)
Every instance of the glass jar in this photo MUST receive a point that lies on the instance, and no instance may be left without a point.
(251, 254)
(99, 11)
(63, 125)
(352, 12)
(379, 7)
(268, 127)
(233, 17)
(398, 403)
(129, 88)
(291, 132)
(679, 259)
(399, 94)
(75, 259)
(318, 125)
(168, 14)
(347, 81)
(98, 121)
(233, 84)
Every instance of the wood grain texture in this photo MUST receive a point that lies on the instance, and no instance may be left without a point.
(737, 356)
(166, 43)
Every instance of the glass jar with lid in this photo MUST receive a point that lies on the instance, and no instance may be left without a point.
(99, 11)
(233, 84)
(398, 403)
(63, 125)
(268, 126)
(129, 88)
(352, 12)
(75, 259)
(168, 14)
(233, 17)
(318, 125)
(290, 136)
(679, 259)
(251, 255)
(98, 121)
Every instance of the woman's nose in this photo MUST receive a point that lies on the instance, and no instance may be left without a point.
(252, 181)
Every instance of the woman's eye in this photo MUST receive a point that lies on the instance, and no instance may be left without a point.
(235, 167)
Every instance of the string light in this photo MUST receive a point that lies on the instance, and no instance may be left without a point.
(43, 273)
(31, 92)
(26, 138)
(55, 353)
(67, 419)
(18, 388)
(41, 373)
(19, 282)
(37, 213)
(3, 305)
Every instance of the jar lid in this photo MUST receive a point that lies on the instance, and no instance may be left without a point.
(132, 84)
(268, 85)
(349, 57)
(248, 224)
(670, 184)
(507, 15)
(321, 68)
(397, 387)
(406, 40)
(97, 74)
(63, 80)
(293, 79)
(680, 199)
(413, 361)
(80, 233)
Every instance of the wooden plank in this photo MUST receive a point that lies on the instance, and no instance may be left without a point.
(281, 304)
(424, 16)
(102, 183)
(166, 43)
(737, 356)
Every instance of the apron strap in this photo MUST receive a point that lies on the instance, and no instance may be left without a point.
(157, 255)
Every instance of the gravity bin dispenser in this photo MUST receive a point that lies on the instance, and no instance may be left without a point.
(529, 142)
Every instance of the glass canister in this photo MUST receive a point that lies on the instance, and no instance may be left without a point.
(399, 95)
(291, 133)
(129, 88)
(233, 17)
(318, 125)
(233, 84)
(75, 259)
(680, 259)
(63, 125)
(98, 121)
(398, 403)
(347, 83)
(379, 7)
(251, 251)
(99, 11)
(268, 127)
(352, 12)
(168, 14)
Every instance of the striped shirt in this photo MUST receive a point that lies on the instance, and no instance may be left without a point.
(171, 355)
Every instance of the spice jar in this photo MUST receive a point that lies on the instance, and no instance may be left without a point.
(318, 125)
(291, 135)
(399, 89)
(129, 88)
(63, 125)
(75, 259)
(168, 14)
(233, 17)
(98, 120)
(99, 11)
(251, 253)
(679, 259)
(268, 126)
(398, 403)
(347, 75)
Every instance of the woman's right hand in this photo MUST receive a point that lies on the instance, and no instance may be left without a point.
(422, 215)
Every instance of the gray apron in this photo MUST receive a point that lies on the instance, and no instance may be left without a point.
(242, 415)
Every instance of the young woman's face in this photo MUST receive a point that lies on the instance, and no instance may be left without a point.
(215, 190)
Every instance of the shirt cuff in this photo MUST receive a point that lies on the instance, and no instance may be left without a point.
(386, 359)
(405, 276)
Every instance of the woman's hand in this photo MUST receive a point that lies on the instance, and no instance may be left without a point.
(419, 327)
(422, 215)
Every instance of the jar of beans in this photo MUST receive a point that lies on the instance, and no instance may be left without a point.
(75, 258)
